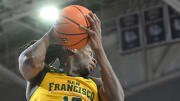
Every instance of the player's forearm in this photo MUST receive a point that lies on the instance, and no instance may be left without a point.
(35, 54)
(110, 81)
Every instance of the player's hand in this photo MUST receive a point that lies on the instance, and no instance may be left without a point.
(94, 32)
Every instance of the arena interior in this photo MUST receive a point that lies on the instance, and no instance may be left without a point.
(141, 39)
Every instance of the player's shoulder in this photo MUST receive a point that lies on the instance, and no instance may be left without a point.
(98, 81)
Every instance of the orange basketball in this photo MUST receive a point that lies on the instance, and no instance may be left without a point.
(66, 29)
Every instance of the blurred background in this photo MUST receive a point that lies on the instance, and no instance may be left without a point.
(141, 39)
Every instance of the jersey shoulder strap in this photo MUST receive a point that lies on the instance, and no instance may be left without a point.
(96, 81)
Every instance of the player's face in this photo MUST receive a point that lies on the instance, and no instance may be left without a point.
(83, 62)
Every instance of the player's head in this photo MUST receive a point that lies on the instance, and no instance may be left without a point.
(82, 62)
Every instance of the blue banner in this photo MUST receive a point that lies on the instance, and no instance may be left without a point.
(174, 18)
(154, 26)
(130, 32)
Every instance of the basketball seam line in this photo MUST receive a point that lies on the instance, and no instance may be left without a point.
(77, 42)
(70, 20)
(84, 18)
(74, 34)
(82, 14)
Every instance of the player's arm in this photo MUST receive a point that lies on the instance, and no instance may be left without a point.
(31, 60)
(110, 89)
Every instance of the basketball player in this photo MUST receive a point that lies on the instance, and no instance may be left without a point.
(73, 83)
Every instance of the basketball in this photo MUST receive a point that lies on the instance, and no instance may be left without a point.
(66, 28)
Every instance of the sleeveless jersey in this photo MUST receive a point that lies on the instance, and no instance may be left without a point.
(61, 87)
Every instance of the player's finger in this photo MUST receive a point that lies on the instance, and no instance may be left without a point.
(99, 22)
(92, 22)
(98, 25)
(90, 32)
(92, 15)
